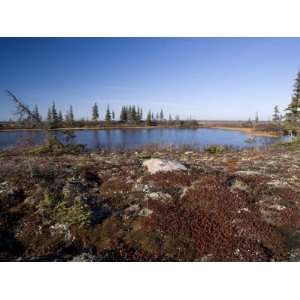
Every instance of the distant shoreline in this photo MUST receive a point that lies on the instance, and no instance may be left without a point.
(250, 131)
(247, 130)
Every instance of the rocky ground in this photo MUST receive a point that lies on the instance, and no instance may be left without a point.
(150, 205)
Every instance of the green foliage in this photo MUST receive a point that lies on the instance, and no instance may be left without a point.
(108, 115)
(74, 214)
(292, 116)
(131, 114)
(95, 112)
(214, 149)
(149, 118)
(56, 148)
(67, 212)
(276, 115)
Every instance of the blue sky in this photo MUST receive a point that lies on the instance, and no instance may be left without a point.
(207, 78)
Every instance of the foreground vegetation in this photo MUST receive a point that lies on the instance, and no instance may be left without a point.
(222, 205)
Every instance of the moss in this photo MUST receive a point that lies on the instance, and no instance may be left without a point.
(76, 214)
(65, 212)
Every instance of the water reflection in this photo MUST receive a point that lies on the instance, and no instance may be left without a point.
(134, 138)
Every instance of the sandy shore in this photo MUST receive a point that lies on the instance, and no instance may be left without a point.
(251, 131)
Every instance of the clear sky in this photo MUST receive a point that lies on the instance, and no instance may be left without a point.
(207, 78)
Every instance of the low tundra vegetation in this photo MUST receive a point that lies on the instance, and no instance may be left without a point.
(105, 206)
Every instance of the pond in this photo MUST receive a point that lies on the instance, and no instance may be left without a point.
(136, 138)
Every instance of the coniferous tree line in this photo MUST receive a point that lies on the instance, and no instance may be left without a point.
(290, 121)
(131, 113)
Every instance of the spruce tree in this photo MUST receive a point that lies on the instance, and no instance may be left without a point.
(49, 116)
(36, 113)
(276, 115)
(113, 115)
(292, 116)
(123, 116)
(108, 115)
(161, 115)
(129, 114)
(141, 114)
(60, 118)
(70, 116)
(138, 115)
(54, 115)
(95, 112)
(149, 118)
(133, 114)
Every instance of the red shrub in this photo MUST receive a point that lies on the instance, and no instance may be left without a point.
(218, 223)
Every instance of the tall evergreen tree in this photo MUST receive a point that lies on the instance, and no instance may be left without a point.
(276, 115)
(49, 116)
(36, 113)
(113, 115)
(54, 115)
(141, 114)
(149, 118)
(129, 113)
(161, 115)
(138, 114)
(292, 116)
(60, 118)
(133, 114)
(108, 115)
(123, 114)
(71, 115)
(95, 112)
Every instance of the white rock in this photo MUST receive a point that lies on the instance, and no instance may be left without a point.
(155, 165)
(145, 212)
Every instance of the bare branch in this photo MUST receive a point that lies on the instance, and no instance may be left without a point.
(22, 110)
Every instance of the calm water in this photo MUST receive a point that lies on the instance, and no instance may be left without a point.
(134, 138)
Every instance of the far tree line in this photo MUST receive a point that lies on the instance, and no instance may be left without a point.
(131, 114)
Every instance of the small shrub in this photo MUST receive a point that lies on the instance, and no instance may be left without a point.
(214, 149)
(76, 214)
(65, 212)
